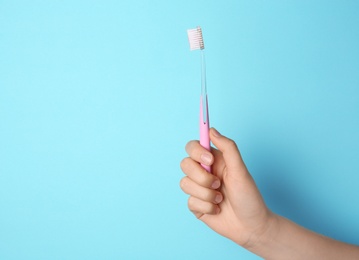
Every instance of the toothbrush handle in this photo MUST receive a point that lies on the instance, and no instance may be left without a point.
(204, 129)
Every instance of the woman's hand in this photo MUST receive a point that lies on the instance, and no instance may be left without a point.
(227, 200)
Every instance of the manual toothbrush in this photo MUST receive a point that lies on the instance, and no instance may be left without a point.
(196, 43)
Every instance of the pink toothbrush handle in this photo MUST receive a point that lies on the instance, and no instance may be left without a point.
(204, 131)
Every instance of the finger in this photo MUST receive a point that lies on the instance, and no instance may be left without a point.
(218, 162)
(200, 207)
(199, 175)
(199, 153)
(202, 193)
(229, 150)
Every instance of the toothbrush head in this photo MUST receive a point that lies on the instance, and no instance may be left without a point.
(195, 39)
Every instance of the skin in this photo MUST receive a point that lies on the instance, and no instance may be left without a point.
(229, 202)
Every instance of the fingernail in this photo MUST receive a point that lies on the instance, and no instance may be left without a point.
(216, 184)
(206, 158)
(218, 198)
(216, 133)
(218, 210)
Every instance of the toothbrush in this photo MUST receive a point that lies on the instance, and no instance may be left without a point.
(196, 43)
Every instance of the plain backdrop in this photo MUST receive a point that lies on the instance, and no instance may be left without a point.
(99, 98)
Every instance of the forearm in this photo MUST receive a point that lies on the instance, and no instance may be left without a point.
(286, 240)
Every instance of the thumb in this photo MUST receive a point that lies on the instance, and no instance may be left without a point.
(230, 152)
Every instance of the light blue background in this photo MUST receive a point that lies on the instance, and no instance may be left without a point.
(98, 99)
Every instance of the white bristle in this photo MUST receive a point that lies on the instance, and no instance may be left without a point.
(195, 39)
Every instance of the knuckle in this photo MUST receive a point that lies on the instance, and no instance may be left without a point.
(191, 203)
(193, 149)
(184, 163)
(232, 144)
(183, 183)
(189, 146)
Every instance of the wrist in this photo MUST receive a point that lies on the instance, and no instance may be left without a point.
(265, 235)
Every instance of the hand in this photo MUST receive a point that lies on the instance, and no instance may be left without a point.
(227, 200)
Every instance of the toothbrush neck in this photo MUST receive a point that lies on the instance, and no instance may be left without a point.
(203, 75)
(204, 105)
